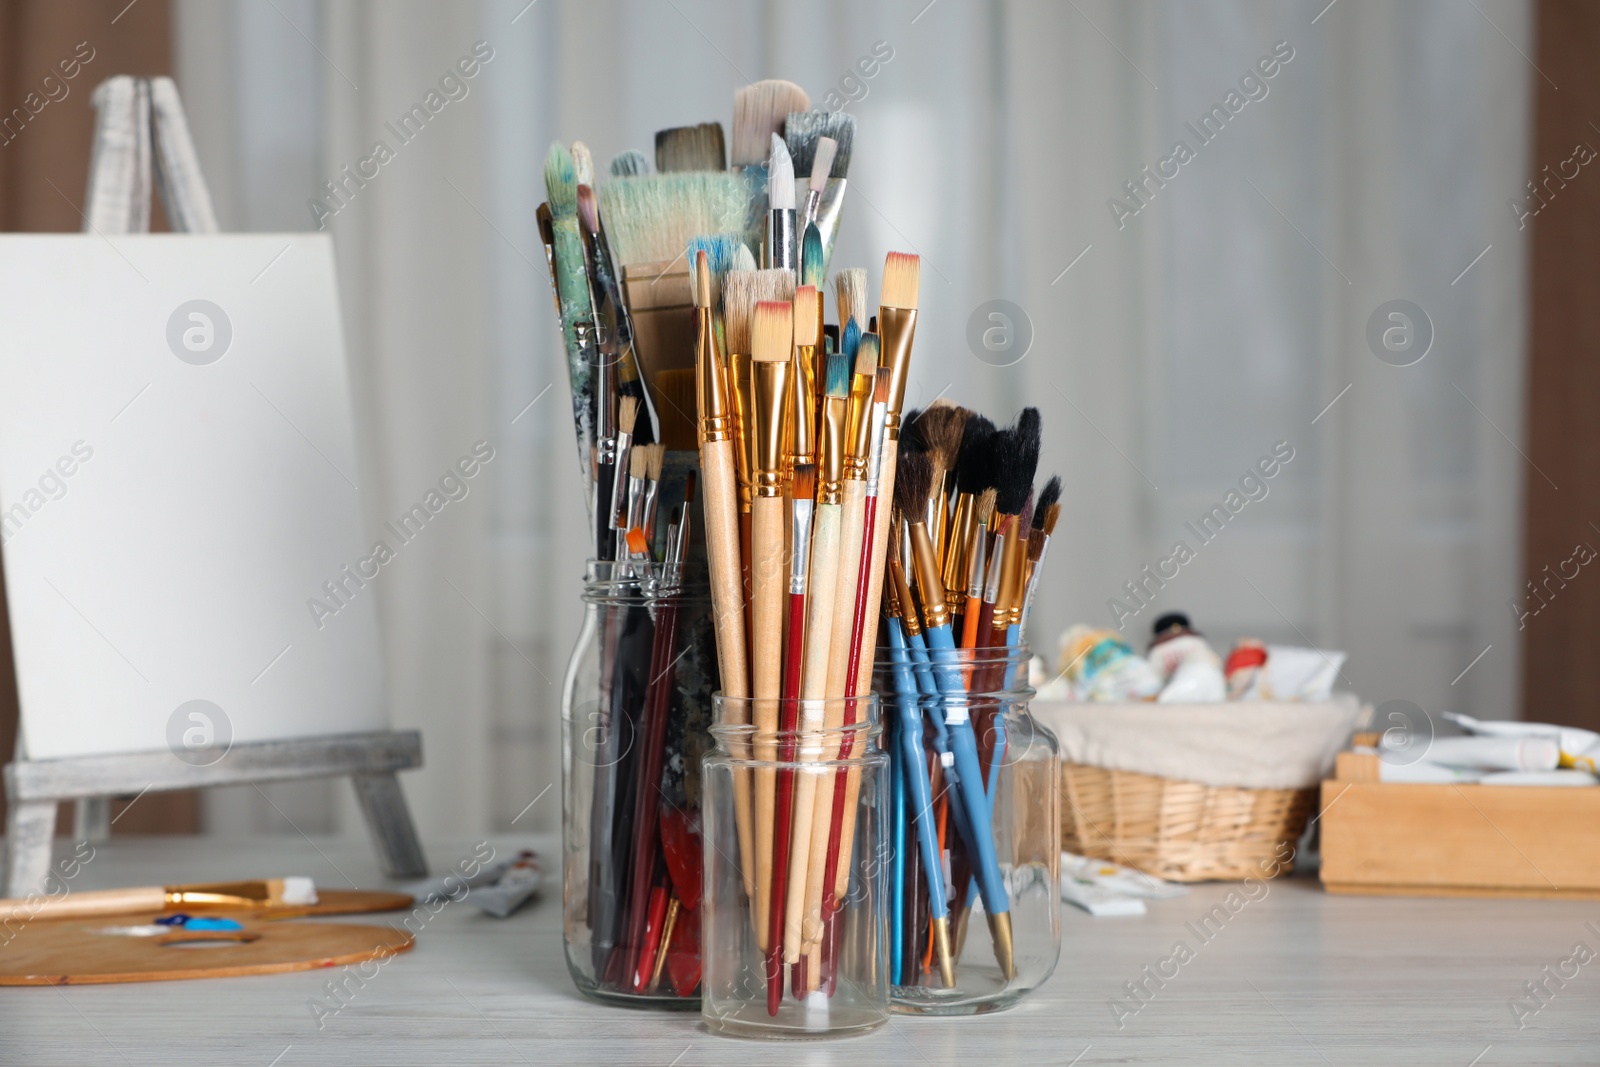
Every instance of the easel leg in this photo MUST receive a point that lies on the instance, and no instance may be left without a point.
(91, 820)
(30, 829)
(389, 820)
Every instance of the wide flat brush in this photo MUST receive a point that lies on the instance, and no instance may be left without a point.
(772, 341)
(629, 164)
(691, 148)
(759, 111)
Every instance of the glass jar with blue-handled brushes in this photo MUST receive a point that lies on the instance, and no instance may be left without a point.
(974, 812)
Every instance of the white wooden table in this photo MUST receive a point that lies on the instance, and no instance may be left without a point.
(1295, 977)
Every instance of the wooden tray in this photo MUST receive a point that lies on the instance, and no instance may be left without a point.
(1447, 840)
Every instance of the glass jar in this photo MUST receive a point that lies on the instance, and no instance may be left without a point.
(635, 720)
(994, 960)
(794, 936)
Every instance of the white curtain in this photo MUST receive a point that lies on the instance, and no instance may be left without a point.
(1172, 349)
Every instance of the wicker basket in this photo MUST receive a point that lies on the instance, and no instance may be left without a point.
(1177, 830)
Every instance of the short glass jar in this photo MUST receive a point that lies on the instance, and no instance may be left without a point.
(930, 699)
(795, 913)
(636, 718)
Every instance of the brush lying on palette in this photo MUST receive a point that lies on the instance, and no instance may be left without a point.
(642, 267)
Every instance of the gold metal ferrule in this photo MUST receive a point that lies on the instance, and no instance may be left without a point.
(929, 584)
(739, 396)
(858, 433)
(1008, 594)
(902, 593)
(958, 537)
(830, 473)
(769, 382)
(802, 433)
(896, 328)
(716, 421)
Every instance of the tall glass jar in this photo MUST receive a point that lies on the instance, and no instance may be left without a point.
(795, 912)
(636, 710)
(994, 961)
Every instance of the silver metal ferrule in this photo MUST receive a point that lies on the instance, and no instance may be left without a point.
(880, 413)
(782, 249)
(975, 569)
(800, 556)
(813, 202)
(991, 588)
(619, 486)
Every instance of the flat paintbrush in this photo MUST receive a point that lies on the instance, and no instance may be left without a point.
(759, 111)
(772, 342)
(691, 148)
(719, 446)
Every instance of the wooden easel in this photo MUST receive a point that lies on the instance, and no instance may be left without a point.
(140, 131)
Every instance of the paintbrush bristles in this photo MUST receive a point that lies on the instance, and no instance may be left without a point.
(759, 111)
(582, 163)
(772, 334)
(743, 258)
(627, 414)
(630, 164)
(691, 148)
(972, 457)
(912, 479)
(867, 354)
(812, 271)
(804, 486)
(588, 210)
(560, 181)
(902, 274)
(822, 162)
(1049, 497)
(738, 309)
(780, 177)
(941, 428)
(805, 316)
(985, 509)
(850, 295)
(804, 130)
(652, 219)
(775, 283)
(837, 382)
(654, 457)
(638, 461)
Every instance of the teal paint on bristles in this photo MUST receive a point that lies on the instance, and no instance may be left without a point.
(572, 289)
(850, 340)
(722, 253)
(836, 375)
(813, 268)
(630, 164)
(652, 218)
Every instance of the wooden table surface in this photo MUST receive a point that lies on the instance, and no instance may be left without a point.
(1293, 977)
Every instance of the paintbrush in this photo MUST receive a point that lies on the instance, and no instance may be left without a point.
(821, 163)
(262, 895)
(941, 428)
(804, 132)
(772, 341)
(909, 708)
(963, 746)
(802, 504)
(629, 164)
(572, 296)
(863, 635)
(582, 163)
(821, 589)
(781, 248)
(627, 413)
(759, 111)
(971, 471)
(804, 385)
(691, 148)
(615, 336)
(850, 299)
(812, 274)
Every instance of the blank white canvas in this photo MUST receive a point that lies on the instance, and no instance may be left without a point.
(176, 562)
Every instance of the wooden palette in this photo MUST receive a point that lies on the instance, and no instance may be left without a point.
(76, 953)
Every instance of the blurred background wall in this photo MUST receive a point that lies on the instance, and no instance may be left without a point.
(1176, 330)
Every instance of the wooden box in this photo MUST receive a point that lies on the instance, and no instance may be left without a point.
(1388, 838)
